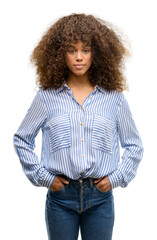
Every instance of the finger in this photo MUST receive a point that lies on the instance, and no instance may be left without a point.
(63, 180)
(98, 180)
(103, 187)
(99, 184)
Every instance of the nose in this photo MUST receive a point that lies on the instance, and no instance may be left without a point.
(79, 56)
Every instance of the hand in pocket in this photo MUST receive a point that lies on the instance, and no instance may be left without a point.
(103, 184)
(58, 183)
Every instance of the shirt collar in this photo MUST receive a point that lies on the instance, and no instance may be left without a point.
(65, 86)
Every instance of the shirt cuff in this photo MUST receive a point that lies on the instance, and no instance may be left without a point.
(115, 179)
(47, 178)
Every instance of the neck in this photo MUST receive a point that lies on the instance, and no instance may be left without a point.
(78, 81)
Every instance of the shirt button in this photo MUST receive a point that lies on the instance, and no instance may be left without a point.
(81, 108)
(83, 171)
(81, 140)
(81, 124)
(82, 155)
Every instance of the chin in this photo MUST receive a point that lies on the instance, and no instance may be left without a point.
(80, 74)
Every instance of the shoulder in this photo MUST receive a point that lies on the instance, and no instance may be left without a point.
(46, 93)
(114, 96)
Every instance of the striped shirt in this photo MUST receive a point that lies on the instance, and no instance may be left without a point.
(79, 140)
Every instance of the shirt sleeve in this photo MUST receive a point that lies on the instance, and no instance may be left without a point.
(131, 142)
(24, 143)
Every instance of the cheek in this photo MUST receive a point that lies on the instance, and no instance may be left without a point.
(68, 60)
(90, 60)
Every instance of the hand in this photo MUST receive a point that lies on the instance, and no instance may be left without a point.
(103, 184)
(58, 183)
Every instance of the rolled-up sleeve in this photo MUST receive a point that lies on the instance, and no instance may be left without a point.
(24, 143)
(133, 148)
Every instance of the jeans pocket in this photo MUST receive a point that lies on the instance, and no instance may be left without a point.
(58, 191)
(99, 190)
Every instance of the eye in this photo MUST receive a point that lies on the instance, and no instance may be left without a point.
(71, 51)
(86, 50)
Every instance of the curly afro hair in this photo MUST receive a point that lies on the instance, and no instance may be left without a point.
(108, 52)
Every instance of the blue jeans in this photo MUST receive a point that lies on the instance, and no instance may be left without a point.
(79, 204)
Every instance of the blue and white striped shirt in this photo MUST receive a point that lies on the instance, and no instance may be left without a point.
(79, 141)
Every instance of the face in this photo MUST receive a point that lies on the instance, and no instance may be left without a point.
(79, 58)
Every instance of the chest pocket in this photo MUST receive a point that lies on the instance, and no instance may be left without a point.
(59, 132)
(102, 137)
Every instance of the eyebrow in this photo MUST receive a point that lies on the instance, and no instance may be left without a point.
(84, 45)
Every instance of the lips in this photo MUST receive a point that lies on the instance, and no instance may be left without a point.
(79, 66)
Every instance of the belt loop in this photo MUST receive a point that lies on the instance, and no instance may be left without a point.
(91, 182)
(68, 179)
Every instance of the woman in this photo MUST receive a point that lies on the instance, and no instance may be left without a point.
(83, 115)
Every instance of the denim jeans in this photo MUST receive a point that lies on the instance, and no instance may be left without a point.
(80, 204)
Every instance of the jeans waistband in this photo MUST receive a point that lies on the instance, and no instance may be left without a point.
(80, 180)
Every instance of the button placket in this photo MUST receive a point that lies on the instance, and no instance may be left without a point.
(83, 112)
(82, 135)
(88, 100)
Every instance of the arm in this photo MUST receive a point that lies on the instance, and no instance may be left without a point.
(131, 142)
(24, 143)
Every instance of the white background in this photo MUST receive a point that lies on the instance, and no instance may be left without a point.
(22, 24)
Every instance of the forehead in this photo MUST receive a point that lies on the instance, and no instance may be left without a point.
(79, 44)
